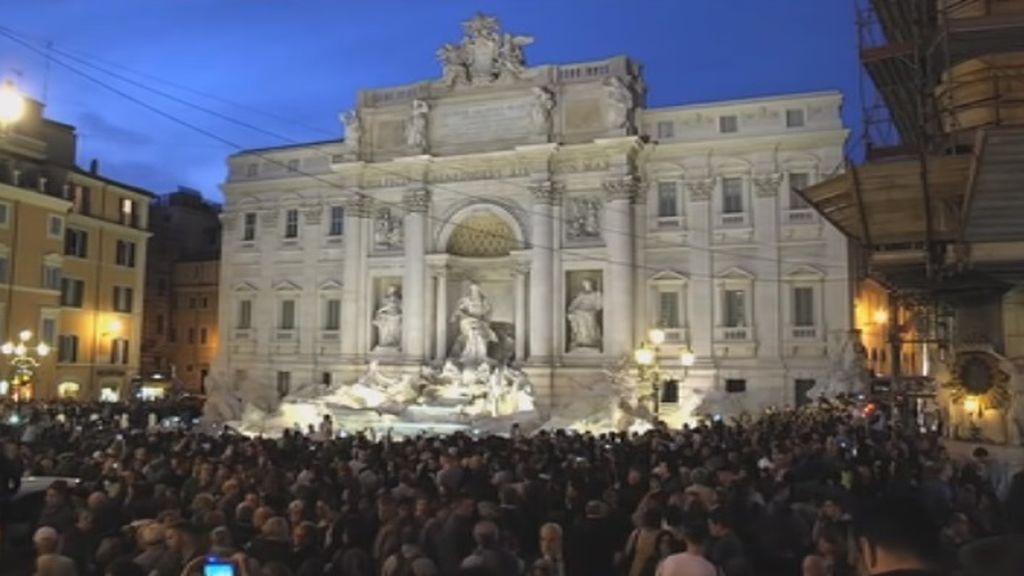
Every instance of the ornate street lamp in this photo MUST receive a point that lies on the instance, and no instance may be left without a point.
(24, 360)
(646, 357)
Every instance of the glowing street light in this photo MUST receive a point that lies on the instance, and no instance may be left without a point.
(12, 104)
(24, 360)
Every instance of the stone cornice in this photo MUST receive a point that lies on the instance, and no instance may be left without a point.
(625, 187)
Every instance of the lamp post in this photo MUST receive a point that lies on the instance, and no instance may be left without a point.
(24, 360)
(647, 360)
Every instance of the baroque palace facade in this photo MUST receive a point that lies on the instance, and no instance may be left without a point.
(584, 217)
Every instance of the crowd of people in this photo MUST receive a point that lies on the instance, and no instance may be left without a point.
(825, 490)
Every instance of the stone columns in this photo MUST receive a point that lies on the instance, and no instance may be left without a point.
(441, 316)
(521, 271)
(618, 233)
(545, 195)
(356, 212)
(417, 200)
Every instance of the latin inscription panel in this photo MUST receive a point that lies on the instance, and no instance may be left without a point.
(482, 122)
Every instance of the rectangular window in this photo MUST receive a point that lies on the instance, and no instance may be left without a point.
(123, 298)
(48, 330)
(81, 198)
(291, 223)
(666, 129)
(325, 379)
(119, 351)
(668, 200)
(284, 383)
(735, 385)
(337, 225)
(206, 302)
(287, 315)
(798, 181)
(129, 213)
(803, 306)
(728, 124)
(67, 348)
(51, 277)
(332, 315)
(76, 243)
(668, 309)
(5, 214)
(734, 307)
(249, 227)
(191, 335)
(244, 314)
(732, 195)
(252, 169)
(203, 336)
(72, 292)
(4, 269)
(55, 226)
(160, 324)
(172, 334)
(192, 303)
(794, 118)
(125, 254)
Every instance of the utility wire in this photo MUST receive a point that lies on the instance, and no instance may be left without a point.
(564, 252)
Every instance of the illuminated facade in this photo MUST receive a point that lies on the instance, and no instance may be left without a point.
(72, 261)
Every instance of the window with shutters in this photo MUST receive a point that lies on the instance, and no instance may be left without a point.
(119, 351)
(332, 314)
(728, 124)
(55, 227)
(803, 306)
(5, 214)
(734, 308)
(67, 348)
(123, 296)
(76, 243)
(51, 277)
(732, 195)
(125, 254)
(72, 292)
(244, 321)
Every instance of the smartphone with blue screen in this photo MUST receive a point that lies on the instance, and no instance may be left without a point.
(218, 567)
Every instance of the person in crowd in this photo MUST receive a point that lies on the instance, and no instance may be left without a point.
(691, 562)
(897, 537)
(49, 562)
(785, 492)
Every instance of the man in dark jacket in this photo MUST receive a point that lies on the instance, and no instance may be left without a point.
(489, 554)
(593, 542)
(896, 536)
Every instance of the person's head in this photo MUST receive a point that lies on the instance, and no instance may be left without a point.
(260, 516)
(895, 531)
(718, 523)
(275, 528)
(815, 565)
(695, 533)
(57, 494)
(551, 540)
(831, 542)
(46, 540)
(650, 517)
(84, 520)
(296, 512)
(304, 535)
(152, 535)
(831, 509)
(666, 544)
(182, 538)
(485, 534)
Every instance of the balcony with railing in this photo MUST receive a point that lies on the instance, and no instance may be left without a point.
(734, 341)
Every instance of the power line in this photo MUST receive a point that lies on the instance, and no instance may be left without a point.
(315, 148)
(563, 252)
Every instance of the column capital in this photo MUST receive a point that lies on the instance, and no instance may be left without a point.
(622, 187)
(546, 191)
(358, 206)
(767, 185)
(416, 198)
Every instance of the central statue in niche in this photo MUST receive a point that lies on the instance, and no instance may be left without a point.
(473, 317)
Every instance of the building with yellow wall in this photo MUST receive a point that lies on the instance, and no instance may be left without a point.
(72, 262)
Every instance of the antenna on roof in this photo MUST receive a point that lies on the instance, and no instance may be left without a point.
(46, 71)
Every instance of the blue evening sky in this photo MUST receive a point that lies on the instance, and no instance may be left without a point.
(289, 66)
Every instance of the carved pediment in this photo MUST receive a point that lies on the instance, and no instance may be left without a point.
(669, 276)
(736, 273)
(805, 273)
(287, 286)
(244, 287)
(331, 284)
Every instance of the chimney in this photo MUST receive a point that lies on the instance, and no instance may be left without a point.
(94, 166)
